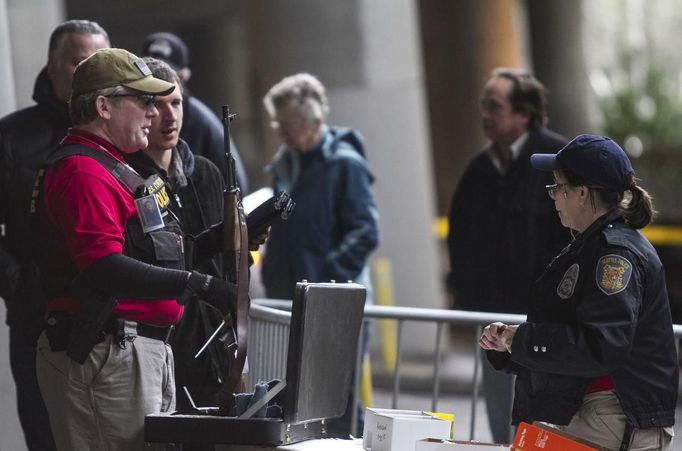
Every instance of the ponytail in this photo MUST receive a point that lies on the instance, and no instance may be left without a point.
(639, 211)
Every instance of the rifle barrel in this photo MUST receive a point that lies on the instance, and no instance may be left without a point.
(230, 177)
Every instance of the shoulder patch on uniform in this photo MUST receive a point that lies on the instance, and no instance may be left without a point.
(613, 273)
(565, 288)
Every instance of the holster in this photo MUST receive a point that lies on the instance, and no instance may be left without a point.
(58, 329)
(88, 326)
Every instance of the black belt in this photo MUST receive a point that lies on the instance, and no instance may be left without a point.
(627, 435)
(116, 326)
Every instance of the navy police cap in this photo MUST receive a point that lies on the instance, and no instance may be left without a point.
(597, 159)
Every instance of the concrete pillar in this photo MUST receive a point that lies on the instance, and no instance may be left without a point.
(7, 97)
(9, 424)
(30, 24)
(223, 75)
(559, 62)
(367, 53)
(25, 27)
(462, 42)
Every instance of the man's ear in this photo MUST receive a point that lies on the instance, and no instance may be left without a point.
(103, 107)
(184, 75)
(526, 118)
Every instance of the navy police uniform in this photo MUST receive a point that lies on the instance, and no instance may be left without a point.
(599, 309)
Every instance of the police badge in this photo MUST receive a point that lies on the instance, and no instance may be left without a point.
(565, 288)
(613, 273)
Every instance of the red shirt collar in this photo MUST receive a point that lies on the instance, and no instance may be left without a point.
(81, 137)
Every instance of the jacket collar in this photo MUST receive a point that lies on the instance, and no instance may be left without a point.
(597, 226)
(611, 216)
(43, 95)
(181, 167)
(286, 164)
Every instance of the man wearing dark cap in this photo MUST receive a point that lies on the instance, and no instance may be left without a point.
(197, 200)
(114, 277)
(202, 130)
(27, 136)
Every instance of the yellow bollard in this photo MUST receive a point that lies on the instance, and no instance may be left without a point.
(441, 227)
(366, 383)
(383, 289)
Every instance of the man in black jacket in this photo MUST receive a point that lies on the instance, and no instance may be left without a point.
(196, 188)
(503, 227)
(27, 136)
(201, 128)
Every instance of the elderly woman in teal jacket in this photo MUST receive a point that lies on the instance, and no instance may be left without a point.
(334, 227)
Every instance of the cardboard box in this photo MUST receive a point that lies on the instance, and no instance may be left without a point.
(538, 436)
(432, 444)
(370, 425)
(399, 430)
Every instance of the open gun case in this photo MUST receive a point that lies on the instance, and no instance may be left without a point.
(323, 342)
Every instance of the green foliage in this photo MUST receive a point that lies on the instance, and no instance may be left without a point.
(643, 112)
(651, 111)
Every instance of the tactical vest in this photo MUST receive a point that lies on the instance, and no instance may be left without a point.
(163, 246)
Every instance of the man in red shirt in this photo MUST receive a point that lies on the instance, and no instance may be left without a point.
(113, 265)
(27, 137)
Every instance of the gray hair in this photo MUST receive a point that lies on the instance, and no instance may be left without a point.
(83, 108)
(74, 26)
(303, 93)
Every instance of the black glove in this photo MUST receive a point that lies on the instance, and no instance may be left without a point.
(217, 292)
(9, 278)
(256, 241)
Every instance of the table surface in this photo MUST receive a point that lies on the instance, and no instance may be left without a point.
(326, 444)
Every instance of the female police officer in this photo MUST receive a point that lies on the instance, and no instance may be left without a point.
(596, 356)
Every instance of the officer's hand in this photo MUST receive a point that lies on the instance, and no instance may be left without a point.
(492, 338)
(217, 292)
(507, 336)
(258, 240)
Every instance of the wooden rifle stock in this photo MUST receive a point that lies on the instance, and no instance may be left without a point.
(235, 241)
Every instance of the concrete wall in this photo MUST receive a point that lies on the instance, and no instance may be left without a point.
(25, 27)
(10, 434)
(30, 24)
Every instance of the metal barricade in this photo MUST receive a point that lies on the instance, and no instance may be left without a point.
(440, 317)
(271, 313)
(268, 342)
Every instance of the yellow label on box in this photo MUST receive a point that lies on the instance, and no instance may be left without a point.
(449, 417)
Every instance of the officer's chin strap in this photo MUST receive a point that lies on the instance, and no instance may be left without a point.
(627, 435)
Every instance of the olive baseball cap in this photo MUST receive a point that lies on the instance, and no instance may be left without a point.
(111, 67)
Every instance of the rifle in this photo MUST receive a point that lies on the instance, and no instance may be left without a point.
(278, 207)
(235, 247)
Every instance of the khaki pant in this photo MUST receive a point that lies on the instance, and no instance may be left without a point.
(601, 420)
(101, 405)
